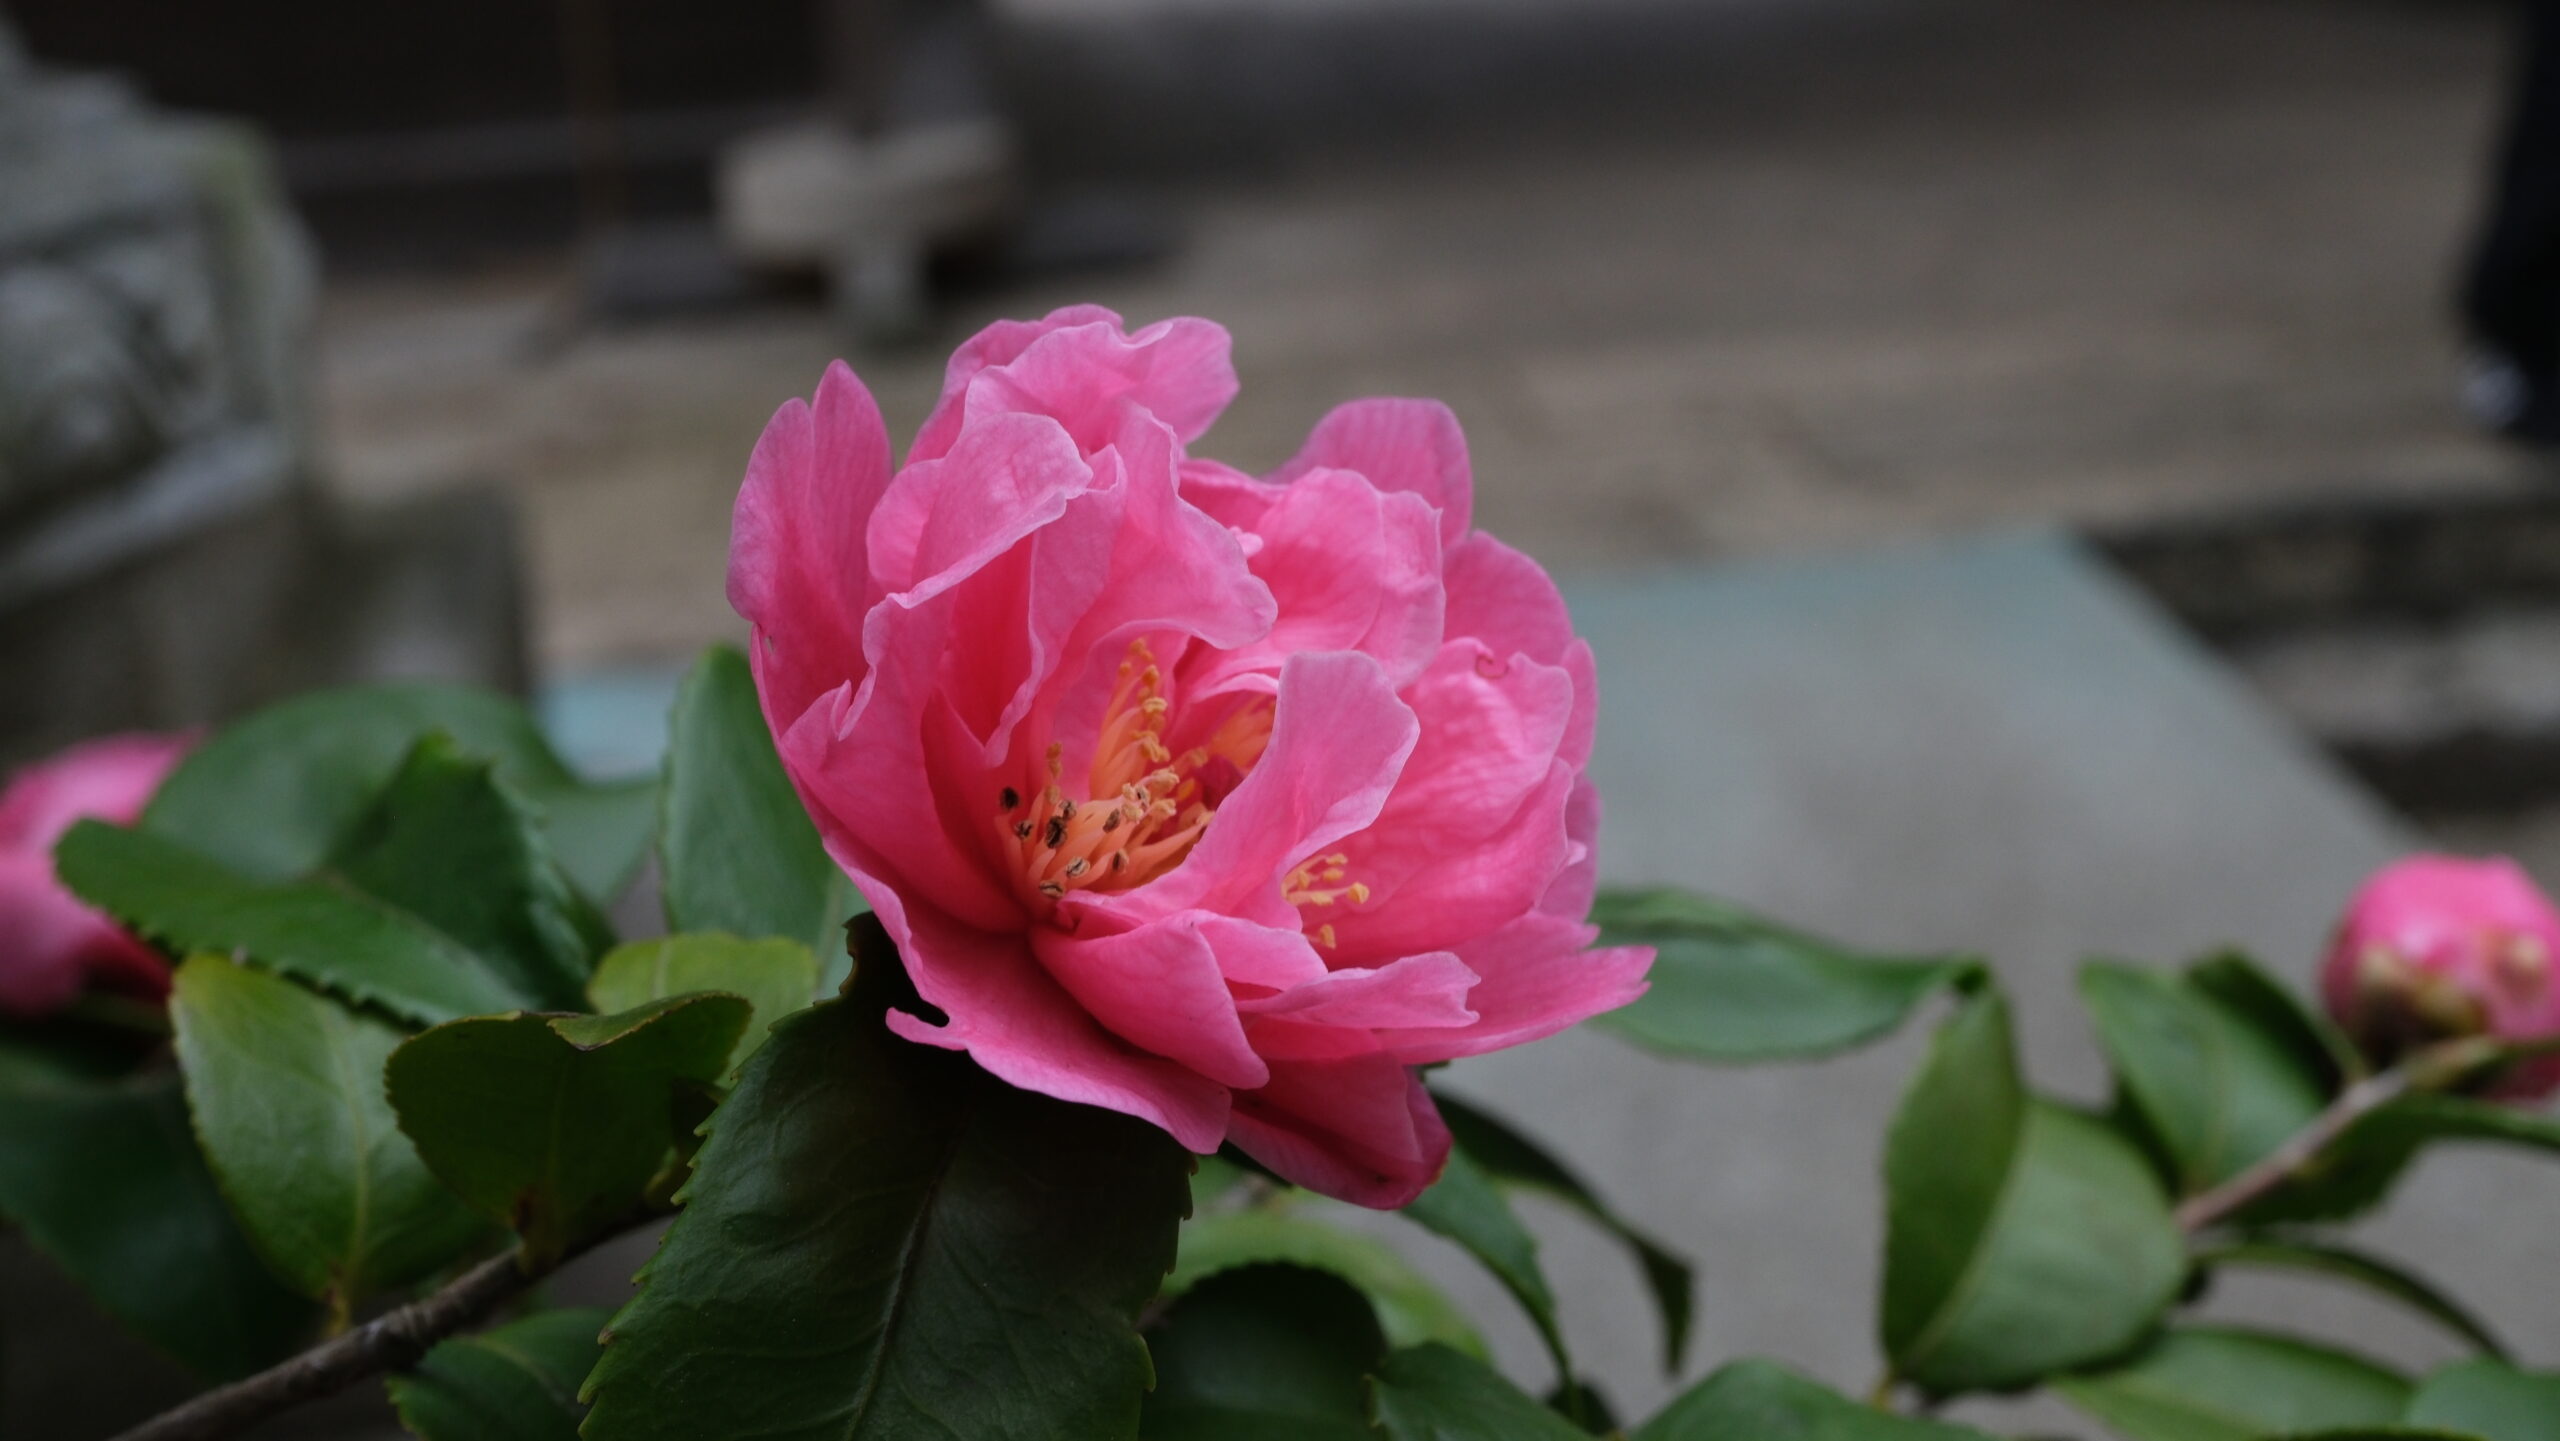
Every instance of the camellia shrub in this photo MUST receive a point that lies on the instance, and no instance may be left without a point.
(1092, 859)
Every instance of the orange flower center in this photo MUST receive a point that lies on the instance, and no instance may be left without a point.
(1143, 806)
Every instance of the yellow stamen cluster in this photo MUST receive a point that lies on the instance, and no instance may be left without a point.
(1321, 883)
(1149, 812)
(1147, 806)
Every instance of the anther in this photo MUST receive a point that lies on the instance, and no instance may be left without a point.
(1056, 834)
(1009, 798)
(1078, 867)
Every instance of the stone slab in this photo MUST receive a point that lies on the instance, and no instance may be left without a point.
(1993, 745)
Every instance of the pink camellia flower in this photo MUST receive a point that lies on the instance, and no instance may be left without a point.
(1218, 801)
(2437, 947)
(52, 946)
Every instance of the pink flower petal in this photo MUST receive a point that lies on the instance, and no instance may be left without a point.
(942, 520)
(1425, 992)
(1538, 978)
(1410, 445)
(1079, 368)
(1474, 832)
(1013, 1019)
(797, 556)
(1159, 988)
(1360, 1129)
(1350, 568)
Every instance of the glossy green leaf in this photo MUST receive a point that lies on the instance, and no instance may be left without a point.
(555, 1125)
(274, 794)
(437, 901)
(2021, 1238)
(2278, 1012)
(1761, 1401)
(1727, 986)
(2219, 1384)
(107, 1181)
(1410, 1308)
(2358, 1170)
(2211, 1088)
(322, 931)
(449, 843)
(1465, 1206)
(736, 851)
(517, 1382)
(2490, 1400)
(286, 1090)
(1432, 1393)
(1266, 1353)
(2327, 1258)
(1513, 1160)
(777, 977)
(880, 1240)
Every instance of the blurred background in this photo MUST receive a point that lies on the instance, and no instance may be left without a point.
(344, 342)
(1704, 280)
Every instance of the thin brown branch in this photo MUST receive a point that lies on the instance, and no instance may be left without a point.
(394, 1341)
(2210, 1208)
(2444, 1066)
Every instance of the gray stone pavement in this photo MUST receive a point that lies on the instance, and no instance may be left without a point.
(2006, 262)
(1991, 746)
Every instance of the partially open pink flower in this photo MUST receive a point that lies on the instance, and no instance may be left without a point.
(1218, 801)
(51, 946)
(2438, 947)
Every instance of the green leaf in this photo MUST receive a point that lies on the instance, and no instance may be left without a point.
(286, 1090)
(1432, 1393)
(1761, 1401)
(2215, 1091)
(880, 1240)
(2490, 1400)
(1512, 1159)
(1464, 1206)
(447, 842)
(2021, 1238)
(2327, 1258)
(1410, 1308)
(319, 930)
(555, 1125)
(2277, 1012)
(1267, 1353)
(275, 793)
(777, 977)
(106, 1181)
(2358, 1170)
(736, 851)
(1727, 986)
(2217, 1384)
(517, 1382)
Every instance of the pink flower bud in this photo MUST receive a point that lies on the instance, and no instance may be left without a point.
(52, 946)
(2436, 948)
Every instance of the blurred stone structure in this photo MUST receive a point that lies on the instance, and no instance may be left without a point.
(166, 555)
